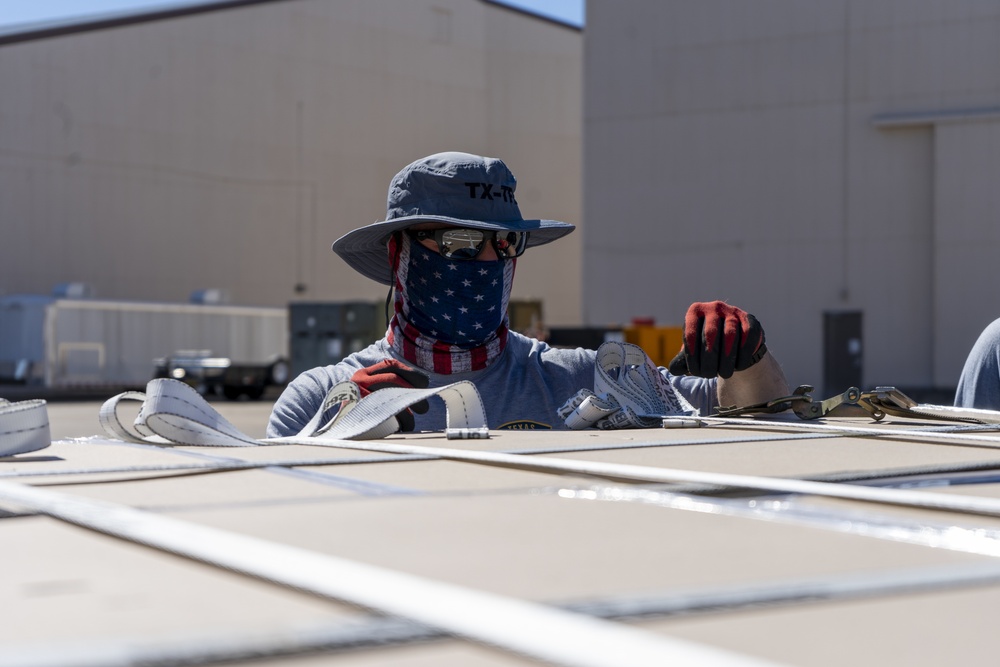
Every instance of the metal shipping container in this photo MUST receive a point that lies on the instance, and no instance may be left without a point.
(62, 343)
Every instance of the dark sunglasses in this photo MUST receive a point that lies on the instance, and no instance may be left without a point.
(466, 243)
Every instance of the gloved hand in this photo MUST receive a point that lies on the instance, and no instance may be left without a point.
(392, 373)
(718, 340)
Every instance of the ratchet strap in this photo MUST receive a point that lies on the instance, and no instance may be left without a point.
(174, 413)
(24, 427)
(877, 404)
(629, 392)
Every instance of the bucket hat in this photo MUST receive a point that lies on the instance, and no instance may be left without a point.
(454, 188)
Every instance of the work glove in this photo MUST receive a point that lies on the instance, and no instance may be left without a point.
(392, 373)
(718, 340)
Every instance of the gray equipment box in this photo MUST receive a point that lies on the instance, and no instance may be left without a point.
(323, 333)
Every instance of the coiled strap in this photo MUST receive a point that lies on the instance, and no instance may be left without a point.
(24, 427)
(629, 392)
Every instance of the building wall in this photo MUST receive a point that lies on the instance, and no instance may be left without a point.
(798, 159)
(229, 149)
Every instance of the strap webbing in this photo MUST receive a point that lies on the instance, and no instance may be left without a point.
(179, 414)
(629, 392)
(172, 412)
(526, 628)
(24, 427)
(380, 632)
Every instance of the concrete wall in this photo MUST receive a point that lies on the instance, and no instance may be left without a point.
(229, 149)
(798, 159)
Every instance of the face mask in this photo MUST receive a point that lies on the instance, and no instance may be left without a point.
(457, 302)
(451, 315)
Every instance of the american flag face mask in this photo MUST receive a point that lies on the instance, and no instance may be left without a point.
(450, 316)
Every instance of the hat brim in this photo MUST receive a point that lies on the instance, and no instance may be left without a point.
(364, 249)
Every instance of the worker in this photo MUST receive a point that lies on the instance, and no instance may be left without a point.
(979, 383)
(448, 246)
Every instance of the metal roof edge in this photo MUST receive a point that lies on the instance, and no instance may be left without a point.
(917, 118)
(48, 29)
(535, 15)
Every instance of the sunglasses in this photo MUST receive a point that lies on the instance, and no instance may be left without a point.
(465, 243)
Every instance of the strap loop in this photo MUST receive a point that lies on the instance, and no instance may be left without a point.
(174, 413)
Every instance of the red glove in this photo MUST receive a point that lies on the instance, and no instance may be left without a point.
(392, 373)
(718, 340)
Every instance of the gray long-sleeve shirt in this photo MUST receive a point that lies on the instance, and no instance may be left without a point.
(521, 390)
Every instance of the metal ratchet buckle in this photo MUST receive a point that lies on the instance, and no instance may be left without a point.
(804, 405)
(891, 401)
(813, 409)
(770, 407)
(878, 403)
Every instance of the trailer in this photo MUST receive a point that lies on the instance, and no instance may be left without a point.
(88, 343)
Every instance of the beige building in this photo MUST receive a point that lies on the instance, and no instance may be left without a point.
(830, 166)
(826, 165)
(226, 148)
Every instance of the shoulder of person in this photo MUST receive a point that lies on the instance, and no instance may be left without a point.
(531, 350)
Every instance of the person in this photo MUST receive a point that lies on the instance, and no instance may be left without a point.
(979, 383)
(448, 247)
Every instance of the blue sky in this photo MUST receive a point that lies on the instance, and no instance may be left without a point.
(14, 12)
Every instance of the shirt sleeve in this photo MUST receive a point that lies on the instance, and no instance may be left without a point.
(699, 392)
(979, 384)
(298, 403)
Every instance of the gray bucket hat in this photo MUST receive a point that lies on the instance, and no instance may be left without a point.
(454, 188)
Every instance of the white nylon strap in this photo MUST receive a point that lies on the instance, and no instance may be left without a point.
(194, 422)
(382, 632)
(526, 628)
(173, 412)
(373, 416)
(629, 392)
(24, 427)
(176, 412)
(966, 435)
(652, 475)
(950, 412)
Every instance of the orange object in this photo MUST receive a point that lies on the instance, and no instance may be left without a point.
(661, 343)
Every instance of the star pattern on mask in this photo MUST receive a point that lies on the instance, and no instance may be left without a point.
(459, 303)
(455, 332)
